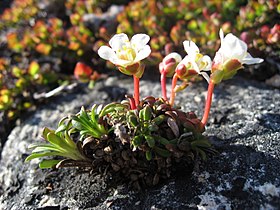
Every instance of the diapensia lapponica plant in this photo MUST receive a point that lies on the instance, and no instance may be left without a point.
(143, 140)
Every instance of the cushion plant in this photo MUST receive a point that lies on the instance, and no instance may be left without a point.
(145, 140)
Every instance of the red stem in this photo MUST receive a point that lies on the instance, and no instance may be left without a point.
(173, 94)
(208, 102)
(163, 85)
(136, 90)
(132, 103)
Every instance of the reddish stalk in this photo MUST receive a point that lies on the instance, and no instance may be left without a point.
(163, 85)
(136, 90)
(208, 102)
(132, 103)
(173, 93)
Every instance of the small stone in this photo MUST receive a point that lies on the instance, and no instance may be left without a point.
(197, 99)
(28, 199)
(108, 149)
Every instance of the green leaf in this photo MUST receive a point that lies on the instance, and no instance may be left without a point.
(150, 140)
(33, 146)
(141, 114)
(91, 132)
(132, 119)
(77, 123)
(48, 163)
(84, 114)
(17, 72)
(137, 141)
(56, 140)
(147, 113)
(62, 121)
(162, 152)
(46, 148)
(93, 115)
(33, 68)
(69, 140)
(149, 155)
(201, 153)
(61, 128)
(44, 154)
(173, 141)
(112, 107)
(91, 84)
(153, 127)
(46, 131)
(200, 143)
(162, 140)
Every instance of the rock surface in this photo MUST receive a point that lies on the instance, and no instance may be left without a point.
(244, 127)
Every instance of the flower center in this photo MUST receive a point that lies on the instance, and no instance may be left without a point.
(199, 60)
(127, 53)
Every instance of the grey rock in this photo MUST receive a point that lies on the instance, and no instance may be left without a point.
(244, 126)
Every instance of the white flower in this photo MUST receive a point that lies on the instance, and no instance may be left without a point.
(233, 48)
(194, 63)
(230, 58)
(124, 53)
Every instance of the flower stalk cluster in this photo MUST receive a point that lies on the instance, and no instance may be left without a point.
(230, 57)
(139, 140)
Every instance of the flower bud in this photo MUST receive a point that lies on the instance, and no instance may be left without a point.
(170, 66)
(169, 63)
(183, 72)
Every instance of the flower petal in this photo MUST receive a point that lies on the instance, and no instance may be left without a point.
(118, 41)
(194, 66)
(190, 47)
(106, 53)
(174, 55)
(233, 48)
(250, 60)
(206, 76)
(221, 34)
(187, 62)
(121, 62)
(144, 53)
(207, 60)
(138, 41)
